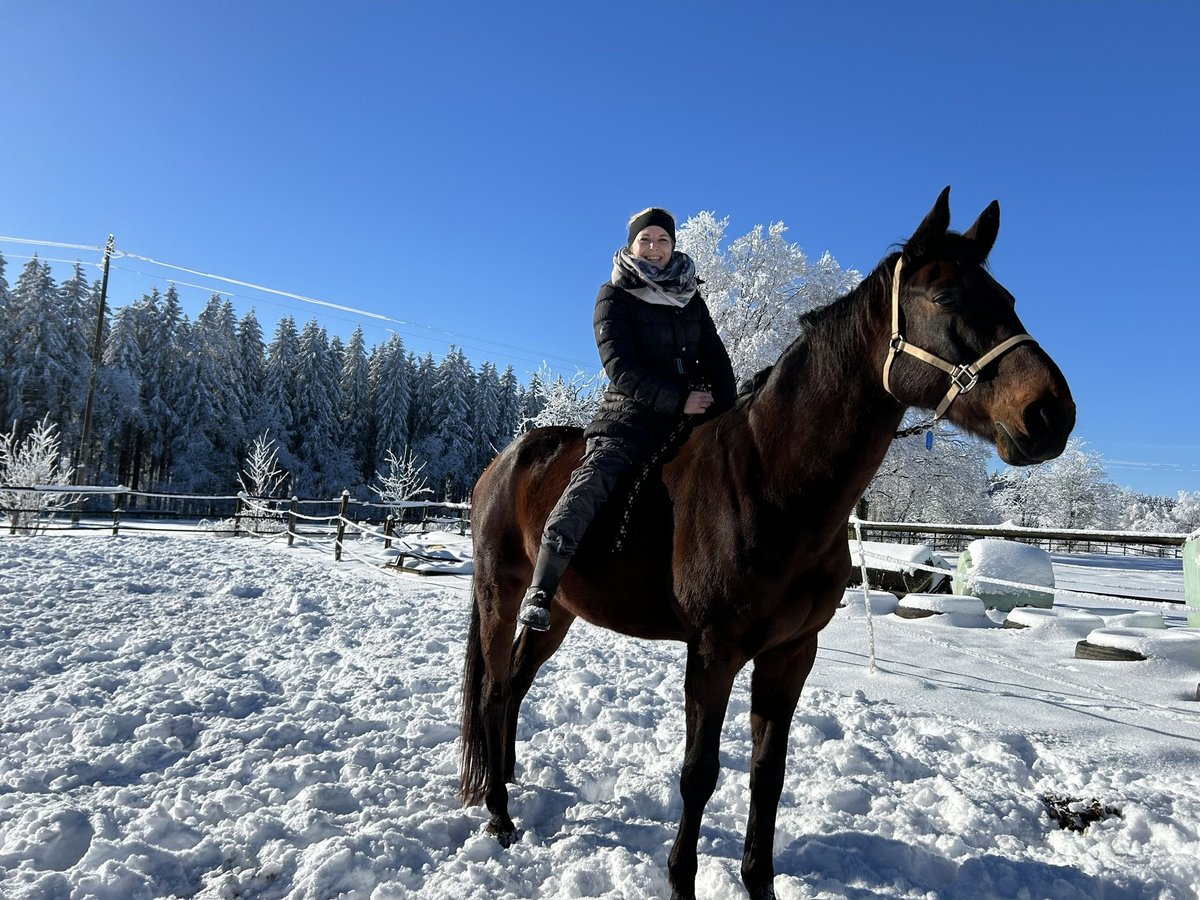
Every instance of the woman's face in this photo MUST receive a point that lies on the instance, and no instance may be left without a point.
(652, 244)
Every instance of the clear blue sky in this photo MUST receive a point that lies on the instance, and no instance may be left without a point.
(468, 168)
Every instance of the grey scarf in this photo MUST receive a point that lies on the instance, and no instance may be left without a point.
(672, 285)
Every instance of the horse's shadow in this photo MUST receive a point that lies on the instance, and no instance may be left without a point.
(866, 865)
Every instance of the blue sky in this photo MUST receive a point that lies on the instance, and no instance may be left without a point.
(467, 168)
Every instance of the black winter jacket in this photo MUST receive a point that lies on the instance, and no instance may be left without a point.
(654, 355)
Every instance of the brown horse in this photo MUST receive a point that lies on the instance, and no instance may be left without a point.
(740, 551)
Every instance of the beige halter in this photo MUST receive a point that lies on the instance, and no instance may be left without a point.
(963, 377)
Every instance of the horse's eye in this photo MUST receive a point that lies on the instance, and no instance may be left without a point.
(948, 299)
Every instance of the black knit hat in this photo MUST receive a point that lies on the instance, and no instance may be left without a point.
(652, 216)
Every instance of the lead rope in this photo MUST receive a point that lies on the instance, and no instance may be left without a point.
(866, 589)
(623, 528)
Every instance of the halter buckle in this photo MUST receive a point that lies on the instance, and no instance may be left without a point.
(964, 377)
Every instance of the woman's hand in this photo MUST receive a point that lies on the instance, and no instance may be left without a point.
(697, 402)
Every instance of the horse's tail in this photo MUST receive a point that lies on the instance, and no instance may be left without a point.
(473, 758)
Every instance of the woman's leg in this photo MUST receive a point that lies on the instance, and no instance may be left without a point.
(592, 483)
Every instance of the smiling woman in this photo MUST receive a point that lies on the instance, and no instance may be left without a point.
(668, 372)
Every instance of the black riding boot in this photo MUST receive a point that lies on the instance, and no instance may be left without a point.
(535, 608)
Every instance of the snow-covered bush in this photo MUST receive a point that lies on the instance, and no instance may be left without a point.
(28, 462)
(402, 481)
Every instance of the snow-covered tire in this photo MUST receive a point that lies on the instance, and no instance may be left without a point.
(1084, 650)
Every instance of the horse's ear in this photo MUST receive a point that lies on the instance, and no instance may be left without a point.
(984, 231)
(932, 229)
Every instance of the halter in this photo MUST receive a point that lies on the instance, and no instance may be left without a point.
(962, 377)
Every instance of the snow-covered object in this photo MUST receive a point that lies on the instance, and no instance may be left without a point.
(1140, 619)
(1191, 578)
(944, 604)
(1006, 561)
(1066, 622)
(1176, 644)
(437, 553)
(882, 602)
(898, 568)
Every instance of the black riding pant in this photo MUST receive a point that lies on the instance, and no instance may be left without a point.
(605, 460)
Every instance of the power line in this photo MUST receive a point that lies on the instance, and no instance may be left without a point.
(457, 337)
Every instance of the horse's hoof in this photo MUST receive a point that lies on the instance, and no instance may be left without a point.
(767, 892)
(505, 837)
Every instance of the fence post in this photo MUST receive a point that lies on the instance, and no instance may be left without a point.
(116, 526)
(292, 521)
(389, 528)
(341, 526)
(237, 516)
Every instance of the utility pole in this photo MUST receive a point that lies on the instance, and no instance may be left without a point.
(97, 347)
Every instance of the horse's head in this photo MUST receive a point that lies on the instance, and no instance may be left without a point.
(958, 347)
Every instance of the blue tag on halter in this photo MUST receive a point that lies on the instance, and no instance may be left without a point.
(929, 440)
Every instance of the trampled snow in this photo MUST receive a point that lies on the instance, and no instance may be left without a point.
(229, 718)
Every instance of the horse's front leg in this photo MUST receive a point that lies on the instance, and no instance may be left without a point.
(706, 687)
(775, 688)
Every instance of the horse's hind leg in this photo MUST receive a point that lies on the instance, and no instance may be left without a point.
(487, 692)
(531, 650)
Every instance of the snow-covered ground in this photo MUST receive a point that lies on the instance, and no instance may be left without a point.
(228, 718)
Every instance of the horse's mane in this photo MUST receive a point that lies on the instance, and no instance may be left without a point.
(832, 333)
(836, 329)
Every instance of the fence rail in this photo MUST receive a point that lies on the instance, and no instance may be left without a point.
(956, 537)
(234, 514)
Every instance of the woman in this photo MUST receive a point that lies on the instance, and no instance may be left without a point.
(665, 362)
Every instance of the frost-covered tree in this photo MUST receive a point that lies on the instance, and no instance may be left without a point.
(565, 402)
(261, 477)
(946, 483)
(402, 480)
(28, 462)
(758, 286)
(1187, 511)
(1072, 491)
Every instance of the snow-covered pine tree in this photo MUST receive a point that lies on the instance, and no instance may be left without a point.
(211, 429)
(448, 450)
(278, 403)
(75, 301)
(485, 418)
(391, 377)
(422, 400)
(509, 419)
(354, 399)
(38, 371)
(250, 374)
(322, 466)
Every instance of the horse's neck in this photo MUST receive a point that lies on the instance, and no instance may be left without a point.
(823, 421)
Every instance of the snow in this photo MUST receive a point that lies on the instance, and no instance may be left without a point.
(229, 718)
(1177, 644)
